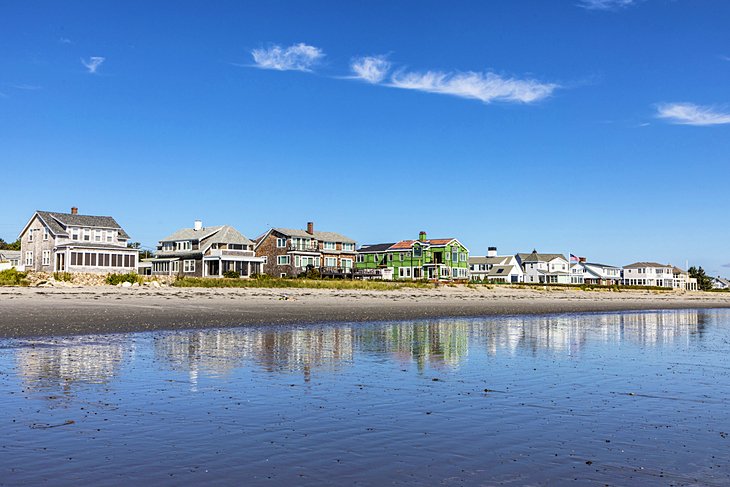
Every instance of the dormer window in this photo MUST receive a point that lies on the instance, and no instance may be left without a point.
(329, 246)
(184, 245)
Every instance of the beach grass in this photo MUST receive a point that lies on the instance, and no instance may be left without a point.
(274, 282)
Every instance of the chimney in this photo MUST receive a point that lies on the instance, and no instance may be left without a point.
(422, 236)
(74, 210)
(310, 228)
(492, 252)
(198, 225)
(582, 260)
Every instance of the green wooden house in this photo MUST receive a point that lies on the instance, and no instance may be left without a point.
(434, 259)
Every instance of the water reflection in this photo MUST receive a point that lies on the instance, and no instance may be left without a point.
(60, 365)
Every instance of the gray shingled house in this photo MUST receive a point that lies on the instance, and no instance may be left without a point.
(206, 252)
(69, 242)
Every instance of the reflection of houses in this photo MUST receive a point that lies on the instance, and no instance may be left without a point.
(495, 268)
(81, 360)
(206, 252)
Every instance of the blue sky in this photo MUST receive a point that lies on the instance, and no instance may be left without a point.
(599, 127)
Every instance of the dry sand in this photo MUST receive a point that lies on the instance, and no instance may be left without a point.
(68, 311)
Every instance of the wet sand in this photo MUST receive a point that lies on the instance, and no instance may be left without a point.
(47, 312)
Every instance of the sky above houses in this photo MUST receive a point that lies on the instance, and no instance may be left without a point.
(594, 127)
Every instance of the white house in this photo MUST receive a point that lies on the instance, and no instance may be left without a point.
(544, 268)
(497, 268)
(9, 259)
(583, 272)
(648, 274)
(720, 283)
(681, 280)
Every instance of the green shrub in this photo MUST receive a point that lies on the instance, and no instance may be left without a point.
(131, 278)
(11, 277)
(231, 275)
(62, 276)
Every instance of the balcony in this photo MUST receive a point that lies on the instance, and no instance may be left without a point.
(303, 247)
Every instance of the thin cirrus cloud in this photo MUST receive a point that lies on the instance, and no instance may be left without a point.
(485, 87)
(297, 57)
(605, 4)
(92, 65)
(692, 114)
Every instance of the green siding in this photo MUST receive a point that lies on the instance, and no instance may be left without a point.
(406, 258)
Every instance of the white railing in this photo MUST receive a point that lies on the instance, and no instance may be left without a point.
(231, 252)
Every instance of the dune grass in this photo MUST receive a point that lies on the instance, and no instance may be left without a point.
(274, 282)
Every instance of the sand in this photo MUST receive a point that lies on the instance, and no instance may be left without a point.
(28, 312)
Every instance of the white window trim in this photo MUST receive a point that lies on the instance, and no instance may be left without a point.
(189, 266)
(280, 243)
(283, 260)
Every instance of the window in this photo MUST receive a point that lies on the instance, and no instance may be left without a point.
(417, 251)
(462, 257)
(87, 234)
(401, 256)
(348, 247)
(448, 256)
(283, 260)
(188, 266)
(330, 261)
(330, 246)
(45, 233)
(184, 245)
(30, 235)
(175, 266)
(390, 257)
(29, 257)
(74, 234)
(46, 257)
(280, 243)
(347, 263)
(360, 258)
(97, 235)
(455, 256)
(109, 236)
(404, 272)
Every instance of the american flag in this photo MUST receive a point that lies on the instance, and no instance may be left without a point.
(574, 258)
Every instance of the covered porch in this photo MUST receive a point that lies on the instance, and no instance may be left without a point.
(244, 266)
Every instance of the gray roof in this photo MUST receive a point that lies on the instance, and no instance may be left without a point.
(59, 222)
(600, 265)
(501, 270)
(220, 234)
(496, 260)
(321, 236)
(9, 254)
(375, 247)
(538, 257)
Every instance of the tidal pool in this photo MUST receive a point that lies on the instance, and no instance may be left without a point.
(589, 399)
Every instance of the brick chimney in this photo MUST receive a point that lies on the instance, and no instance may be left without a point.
(422, 236)
(310, 228)
(74, 210)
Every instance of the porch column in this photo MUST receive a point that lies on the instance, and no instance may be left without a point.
(248, 264)
(220, 267)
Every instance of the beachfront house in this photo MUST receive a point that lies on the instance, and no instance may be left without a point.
(206, 252)
(70, 242)
(432, 259)
(682, 280)
(9, 259)
(495, 268)
(291, 252)
(544, 268)
(583, 272)
(648, 274)
(720, 283)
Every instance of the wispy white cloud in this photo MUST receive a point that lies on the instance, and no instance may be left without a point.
(605, 4)
(298, 57)
(92, 65)
(725, 58)
(25, 87)
(372, 69)
(691, 114)
(486, 87)
(65, 40)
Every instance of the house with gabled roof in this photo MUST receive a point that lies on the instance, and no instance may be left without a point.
(544, 268)
(433, 259)
(70, 242)
(206, 252)
(290, 252)
(584, 272)
(9, 259)
(720, 283)
(648, 274)
(495, 268)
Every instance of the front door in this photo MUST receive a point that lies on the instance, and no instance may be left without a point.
(60, 262)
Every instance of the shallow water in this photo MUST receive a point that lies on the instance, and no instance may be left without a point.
(615, 399)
